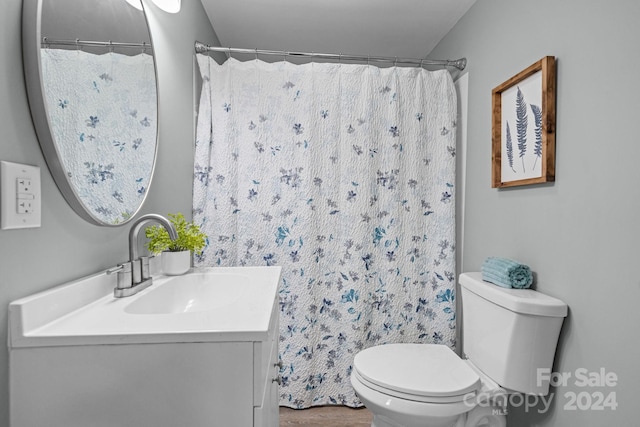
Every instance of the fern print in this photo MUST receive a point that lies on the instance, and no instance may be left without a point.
(521, 125)
(510, 148)
(537, 118)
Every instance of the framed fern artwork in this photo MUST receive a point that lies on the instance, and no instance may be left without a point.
(524, 126)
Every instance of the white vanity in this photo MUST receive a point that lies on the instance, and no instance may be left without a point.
(193, 350)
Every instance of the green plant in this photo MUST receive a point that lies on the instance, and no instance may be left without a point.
(190, 237)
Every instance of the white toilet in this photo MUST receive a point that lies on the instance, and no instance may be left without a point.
(508, 336)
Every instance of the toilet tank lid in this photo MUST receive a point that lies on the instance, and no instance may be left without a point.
(525, 301)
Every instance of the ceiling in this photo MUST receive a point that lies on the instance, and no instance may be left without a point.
(395, 28)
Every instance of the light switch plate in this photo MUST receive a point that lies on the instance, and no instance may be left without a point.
(20, 205)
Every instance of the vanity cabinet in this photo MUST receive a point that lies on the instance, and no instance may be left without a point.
(267, 377)
(211, 378)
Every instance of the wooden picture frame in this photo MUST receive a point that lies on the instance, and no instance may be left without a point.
(524, 127)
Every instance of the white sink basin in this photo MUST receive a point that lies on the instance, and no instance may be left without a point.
(191, 293)
(205, 305)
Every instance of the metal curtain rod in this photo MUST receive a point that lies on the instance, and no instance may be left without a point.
(77, 42)
(457, 63)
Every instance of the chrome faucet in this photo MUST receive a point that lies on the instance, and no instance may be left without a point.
(134, 276)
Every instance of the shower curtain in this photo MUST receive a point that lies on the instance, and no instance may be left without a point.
(102, 115)
(343, 175)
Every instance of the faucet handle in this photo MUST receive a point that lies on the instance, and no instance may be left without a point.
(124, 274)
(125, 267)
(115, 269)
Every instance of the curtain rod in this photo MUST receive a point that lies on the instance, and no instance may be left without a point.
(77, 42)
(460, 64)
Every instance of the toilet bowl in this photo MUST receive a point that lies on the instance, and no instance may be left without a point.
(509, 336)
(423, 385)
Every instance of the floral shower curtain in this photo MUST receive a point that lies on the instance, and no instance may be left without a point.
(109, 103)
(344, 176)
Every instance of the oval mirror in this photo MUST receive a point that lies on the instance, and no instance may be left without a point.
(91, 83)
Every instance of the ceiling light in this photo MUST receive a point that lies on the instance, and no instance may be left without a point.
(135, 3)
(171, 6)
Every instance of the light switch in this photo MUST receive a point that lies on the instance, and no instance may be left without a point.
(20, 196)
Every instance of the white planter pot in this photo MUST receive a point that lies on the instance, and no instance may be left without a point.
(176, 263)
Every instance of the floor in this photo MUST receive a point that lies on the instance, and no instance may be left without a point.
(325, 416)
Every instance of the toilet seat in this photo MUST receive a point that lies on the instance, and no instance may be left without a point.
(428, 373)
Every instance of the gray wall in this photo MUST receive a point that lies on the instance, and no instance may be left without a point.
(101, 21)
(580, 234)
(66, 247)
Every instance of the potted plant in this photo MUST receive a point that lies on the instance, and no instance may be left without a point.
(176, 254)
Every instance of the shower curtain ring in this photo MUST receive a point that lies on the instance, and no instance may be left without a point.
(110, 46)
(395, 62)
(78, 44)
(256, 53)
(230, 56)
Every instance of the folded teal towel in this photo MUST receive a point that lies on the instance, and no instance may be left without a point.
(506, 273)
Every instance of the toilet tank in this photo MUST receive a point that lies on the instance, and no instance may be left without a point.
(510, 334)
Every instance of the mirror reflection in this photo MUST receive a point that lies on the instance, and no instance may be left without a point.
(98, 88)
